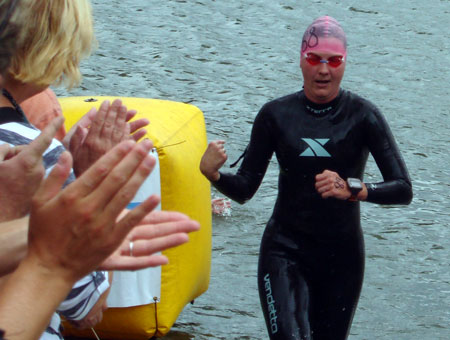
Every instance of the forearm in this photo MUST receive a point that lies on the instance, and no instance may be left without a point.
(241, 186)
(390, 192)
(29, 298)
(396, 187)
(237, 187)
(13, 238)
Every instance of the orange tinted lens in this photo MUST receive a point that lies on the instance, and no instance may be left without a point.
(313, 59)
(335, 61)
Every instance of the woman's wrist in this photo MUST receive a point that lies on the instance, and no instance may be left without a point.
(362, 195)
(212, 177)
(59, 279)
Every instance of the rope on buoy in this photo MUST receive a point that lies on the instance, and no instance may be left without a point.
(93, 331)
(155, 299)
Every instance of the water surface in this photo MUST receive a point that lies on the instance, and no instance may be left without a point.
(229, 58)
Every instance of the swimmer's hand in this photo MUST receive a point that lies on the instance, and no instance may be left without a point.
(330, 184)
(213, 159)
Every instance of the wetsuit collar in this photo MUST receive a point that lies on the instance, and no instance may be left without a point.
(320, 109)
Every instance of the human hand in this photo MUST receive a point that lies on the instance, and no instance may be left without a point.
(81, 128)
(73, 230)
(137, 130)
(158, 231)
(330, 184)
(98, 132)
(213, 159)
(21, 172)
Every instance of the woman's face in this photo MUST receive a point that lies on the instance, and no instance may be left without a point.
(322, 74)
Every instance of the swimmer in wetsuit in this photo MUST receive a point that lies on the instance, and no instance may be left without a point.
(311, 262)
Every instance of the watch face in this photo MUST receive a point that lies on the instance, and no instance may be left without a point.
(354, 183)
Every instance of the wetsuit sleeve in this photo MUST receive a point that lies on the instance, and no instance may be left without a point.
(241, 186)
(396, 187)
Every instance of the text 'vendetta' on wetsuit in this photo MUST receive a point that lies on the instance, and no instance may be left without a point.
(311, 260)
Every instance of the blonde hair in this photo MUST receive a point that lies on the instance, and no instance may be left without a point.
(57, 35)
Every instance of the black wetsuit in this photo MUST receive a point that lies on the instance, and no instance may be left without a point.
(311, 260)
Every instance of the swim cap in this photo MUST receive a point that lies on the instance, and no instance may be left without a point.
(317, 34)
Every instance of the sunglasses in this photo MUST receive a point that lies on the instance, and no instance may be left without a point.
(314, 60)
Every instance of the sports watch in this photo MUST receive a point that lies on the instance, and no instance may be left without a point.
(355, 186)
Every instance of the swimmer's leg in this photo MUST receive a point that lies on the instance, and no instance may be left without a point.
(284, 296)
(335, 297)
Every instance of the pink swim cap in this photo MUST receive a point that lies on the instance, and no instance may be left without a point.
(316, 36)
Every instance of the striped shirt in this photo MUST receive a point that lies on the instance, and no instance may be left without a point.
(87, 291)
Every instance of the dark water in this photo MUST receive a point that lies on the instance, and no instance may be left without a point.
(230, 57)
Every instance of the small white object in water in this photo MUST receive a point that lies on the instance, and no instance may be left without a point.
(221, 206)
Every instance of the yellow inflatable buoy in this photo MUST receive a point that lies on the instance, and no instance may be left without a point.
(179, 135)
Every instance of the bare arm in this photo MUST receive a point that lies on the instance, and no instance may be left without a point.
(32, 293)
(13, 240)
